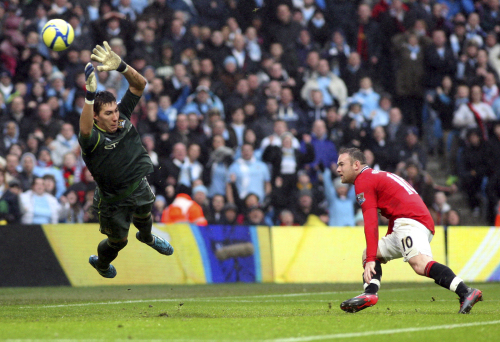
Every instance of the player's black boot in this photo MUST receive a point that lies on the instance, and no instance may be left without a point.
(467, 302)
(358, 303)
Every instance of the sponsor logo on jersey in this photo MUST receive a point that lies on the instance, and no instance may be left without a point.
(111, 146)
(360, 198)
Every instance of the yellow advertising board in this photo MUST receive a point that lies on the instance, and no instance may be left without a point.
(136, 263)
(327, 254)
(474, 253)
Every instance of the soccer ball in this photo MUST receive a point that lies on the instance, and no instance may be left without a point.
(57, 34)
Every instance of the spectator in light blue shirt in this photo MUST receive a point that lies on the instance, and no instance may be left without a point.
(367, 97)
(249, 176)
(380, 115)
(341, 198)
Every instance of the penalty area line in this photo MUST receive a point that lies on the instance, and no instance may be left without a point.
(381, 332)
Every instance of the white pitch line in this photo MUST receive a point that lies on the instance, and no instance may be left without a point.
(291, 339)
(201, 299)
(381, 332)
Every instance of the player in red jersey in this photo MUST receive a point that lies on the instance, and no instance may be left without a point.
(409, 233)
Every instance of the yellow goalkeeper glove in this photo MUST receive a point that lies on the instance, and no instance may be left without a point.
(109, 59)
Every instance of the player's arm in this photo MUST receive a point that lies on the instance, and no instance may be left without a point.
(111, 61)
(87, 117)
(370, 217)
(367, 195)
(136, 81)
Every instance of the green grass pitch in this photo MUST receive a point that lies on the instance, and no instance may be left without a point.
(244, 312)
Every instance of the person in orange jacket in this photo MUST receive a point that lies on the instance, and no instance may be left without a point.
(184, 210)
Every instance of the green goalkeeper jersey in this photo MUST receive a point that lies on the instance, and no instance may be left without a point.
(118, 161)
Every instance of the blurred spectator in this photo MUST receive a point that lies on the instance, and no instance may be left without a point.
(184, 210)
(316, 110)
(411, 148)
(237, 126)
(440, 209)
(453, 218)
(66, 141)
(367, 97)
(191, 170)
(255, 216)
(230, 213)
(381, 149)
(356, 127)
(71, 208)
(171, 168)
(248, 175)
(216, 213)
(333, 87)
(380, 115)
(10, 211)
(280, 127)
(474, 114)
(12, 166)
(353, 72)
(409, 75)
(49, 126)
(284, 31)
(38, 206)
(364, 35)
(491, 93)
(341, 199)
(396, 129)
(202, 101)
(439, 60)
(10, 134)
(286, 218)
(159, 205)
(420, 180)
(18, 115)
(25, 177)
(71, 169)
(286, 161)
(46, 167)
(304, 207)
(49, 182)
(289, 111)
(264, 124)
(473, 166)
(199, 193)
(325, 151)
(216, 169)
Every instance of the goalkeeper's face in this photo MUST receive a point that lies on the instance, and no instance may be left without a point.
(107, 118)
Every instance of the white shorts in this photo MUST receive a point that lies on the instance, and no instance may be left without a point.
(408, 239)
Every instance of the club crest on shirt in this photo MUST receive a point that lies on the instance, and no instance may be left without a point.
(360, 198)
(121, 123)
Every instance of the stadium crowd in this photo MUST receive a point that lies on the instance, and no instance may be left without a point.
(248, 102)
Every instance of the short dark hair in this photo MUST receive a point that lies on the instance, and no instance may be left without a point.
(354, 153)
(103, 98)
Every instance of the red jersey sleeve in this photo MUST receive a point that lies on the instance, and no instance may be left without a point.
(366, 196)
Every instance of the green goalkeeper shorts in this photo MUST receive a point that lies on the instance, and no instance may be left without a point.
(115, 218)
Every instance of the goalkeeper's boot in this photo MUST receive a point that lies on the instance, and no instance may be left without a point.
(108, 273)
(467, 302)
(360, 302)
(160, 244)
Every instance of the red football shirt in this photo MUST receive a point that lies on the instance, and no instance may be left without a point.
(394, 197)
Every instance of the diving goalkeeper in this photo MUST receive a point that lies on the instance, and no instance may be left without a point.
(113, 152)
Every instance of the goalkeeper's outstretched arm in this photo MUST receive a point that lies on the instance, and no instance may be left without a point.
(87, 117)
(111, 61)
(136, 81)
